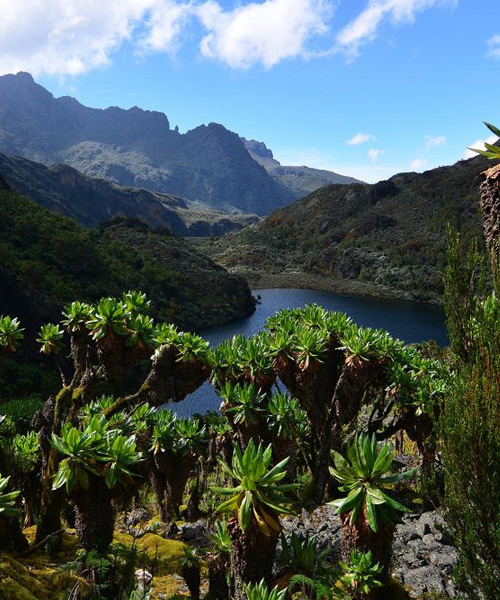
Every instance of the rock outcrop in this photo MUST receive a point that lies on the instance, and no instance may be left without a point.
(423, 557)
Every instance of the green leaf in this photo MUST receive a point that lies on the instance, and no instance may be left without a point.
(245, 512)
(371, 514)
(228, 506)
(343, 505)
(492, 128)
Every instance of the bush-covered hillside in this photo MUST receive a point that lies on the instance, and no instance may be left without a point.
(47, 260)
(382, 239)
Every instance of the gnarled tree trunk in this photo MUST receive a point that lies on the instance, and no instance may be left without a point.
(252, 557)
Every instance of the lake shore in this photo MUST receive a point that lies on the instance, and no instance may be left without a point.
(311, 281)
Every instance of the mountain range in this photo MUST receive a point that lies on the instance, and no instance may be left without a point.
(302, 180)
(208, 165)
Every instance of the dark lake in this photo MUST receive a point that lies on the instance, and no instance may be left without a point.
(408, 321)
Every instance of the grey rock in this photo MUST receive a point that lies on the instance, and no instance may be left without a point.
(134, 517)
(196, 533)
(422, 529)
(421, 561)
(423, 579)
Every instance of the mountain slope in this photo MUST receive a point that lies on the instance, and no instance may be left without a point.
(91, 201)
(47, 260)
(300, 180)
(135, 147)
(383, 239)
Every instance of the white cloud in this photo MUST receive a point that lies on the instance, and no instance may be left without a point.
(478, 144)
(373, 154)
(418, 163)
(164, 25)
(364, 27)
(75, 36)
(263, 33)
(360, 138)
(493, 46)
(61, 37)
(434, 141)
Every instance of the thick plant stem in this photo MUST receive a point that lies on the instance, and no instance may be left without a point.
(252, 557)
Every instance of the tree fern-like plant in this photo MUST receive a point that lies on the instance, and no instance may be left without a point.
(260, 591)
(11, 333)
(95, 461)
(369, 515)
(50, 337)
(255, 503)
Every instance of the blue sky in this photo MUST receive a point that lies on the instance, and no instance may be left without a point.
(367, 88)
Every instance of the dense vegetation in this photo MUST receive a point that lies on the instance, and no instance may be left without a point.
(100, 442)
(47, 260)
(101, 445)
(309, 411)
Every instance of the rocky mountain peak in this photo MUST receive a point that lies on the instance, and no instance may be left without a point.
(257, 148)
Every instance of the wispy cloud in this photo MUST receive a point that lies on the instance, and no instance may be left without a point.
(479, 145)
(493, 46)
(364, 170)
(364, 27)
(434, 141)
(262, 33)
(418, 163)
(164, 24)
(373, 154)
(360, 138)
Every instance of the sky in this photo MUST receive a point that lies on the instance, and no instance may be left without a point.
(366, 88)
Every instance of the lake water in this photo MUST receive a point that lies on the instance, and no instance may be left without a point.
(408, 321)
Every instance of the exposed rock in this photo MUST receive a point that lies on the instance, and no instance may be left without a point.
(299, 180)
(423, 560)
(195, 533)
(91, 201)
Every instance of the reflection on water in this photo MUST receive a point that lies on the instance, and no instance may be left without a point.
(408, 321)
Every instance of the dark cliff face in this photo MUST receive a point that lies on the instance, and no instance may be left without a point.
(33, 121)
(135, 148)
(64, 190)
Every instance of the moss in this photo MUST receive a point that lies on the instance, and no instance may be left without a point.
(167, 586)
(392, 590)
(166, 553)
(63, 398)
(77, 393)
(33, 578)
